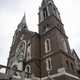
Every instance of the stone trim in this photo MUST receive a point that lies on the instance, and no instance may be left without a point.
(60, 74)
(55, 52)
(57, 75)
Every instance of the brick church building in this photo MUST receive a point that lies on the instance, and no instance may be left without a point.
(45, 55)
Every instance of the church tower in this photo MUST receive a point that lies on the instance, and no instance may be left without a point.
(50, 26)
(56, 60)
(24, 58)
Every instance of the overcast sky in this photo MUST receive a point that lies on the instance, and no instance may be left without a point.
(12, 11)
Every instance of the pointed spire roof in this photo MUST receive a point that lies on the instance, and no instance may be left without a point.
(23, 23)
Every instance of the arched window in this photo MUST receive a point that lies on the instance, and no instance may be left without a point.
(29, 51)
(48, 64)
(50, 9)
(47, 45)
(45, 13)
(28, 71)
(63, 41)
(21, 50)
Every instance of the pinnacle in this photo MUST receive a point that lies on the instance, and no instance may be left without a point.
(23, 21)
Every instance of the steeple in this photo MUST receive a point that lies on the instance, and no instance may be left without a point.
(23, 21)
(48, 8)
(23, 24)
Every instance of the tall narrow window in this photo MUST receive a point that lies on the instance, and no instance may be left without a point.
(67, 63)
(50, 7)
(28, 71)
(72, 66)
(64, 45)
(41, 18)
(29, 51)
(48, 64)
(47, 45)
(45, 14)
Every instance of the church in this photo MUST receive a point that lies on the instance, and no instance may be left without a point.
(45, 55)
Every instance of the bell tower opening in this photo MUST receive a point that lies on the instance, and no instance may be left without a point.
(48, 14)
(45, 14)
(50, 9)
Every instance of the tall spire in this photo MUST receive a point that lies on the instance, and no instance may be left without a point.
(23, 24)
(23, 21)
